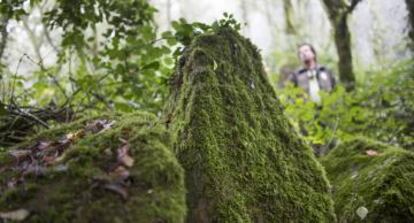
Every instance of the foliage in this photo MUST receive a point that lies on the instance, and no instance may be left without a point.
(114, 59)
(243, 160)
(382, 108)
(371, 176)
(185, 32)
(121, 67)
(109, 58)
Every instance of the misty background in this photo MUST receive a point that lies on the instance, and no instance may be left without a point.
(379, 31)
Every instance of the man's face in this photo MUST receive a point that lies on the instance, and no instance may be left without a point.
(306, 54)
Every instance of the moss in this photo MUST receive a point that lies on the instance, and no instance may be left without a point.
(369, 174)
(243, 160)
(73, 189)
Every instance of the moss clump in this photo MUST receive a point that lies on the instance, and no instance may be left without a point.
(243, 160)
(110, 168)
(373, 176)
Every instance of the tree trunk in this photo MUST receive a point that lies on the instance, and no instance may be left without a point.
(338, 12)
(287, 9)
(342, 38)
(410, 9)
(4, 34)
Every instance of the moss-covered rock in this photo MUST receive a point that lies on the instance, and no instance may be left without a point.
(113, 168)
(243, 160)
(371, 181)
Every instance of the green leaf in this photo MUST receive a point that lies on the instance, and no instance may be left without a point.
(3, 110)
(154, 65)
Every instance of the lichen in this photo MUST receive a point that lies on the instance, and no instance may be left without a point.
(73, 188)
(243, 160)
(374, 176)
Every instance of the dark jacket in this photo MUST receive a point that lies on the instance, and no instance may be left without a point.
(325, 78)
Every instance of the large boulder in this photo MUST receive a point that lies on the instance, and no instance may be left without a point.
(372, 182)
(243, 160)
(102, 169)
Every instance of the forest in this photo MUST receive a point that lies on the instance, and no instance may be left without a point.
(170, 111)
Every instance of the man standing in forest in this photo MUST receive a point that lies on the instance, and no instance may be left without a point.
(312, 77)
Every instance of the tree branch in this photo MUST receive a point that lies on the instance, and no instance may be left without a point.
(4, 34)
(352, 6)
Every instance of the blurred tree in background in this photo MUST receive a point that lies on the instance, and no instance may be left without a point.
(410, 9)
(338, 12)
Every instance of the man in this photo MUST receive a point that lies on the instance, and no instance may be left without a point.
(312, 78)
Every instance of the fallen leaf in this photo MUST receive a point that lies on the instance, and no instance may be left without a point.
(94, 126)
(124, 141)
(123, 156)
(50, 159)
(19, 154)
(98, 126)
(35, 169)
(119, 174)
(127, 160)
(17, 215)
(64, 141)
(60, 158)
(117, 188)
(12, 183)
(43, 145)
(108, 125)
(76, 135)
(371, 152)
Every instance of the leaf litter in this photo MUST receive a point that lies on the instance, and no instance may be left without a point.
(36, 158)
(117, 179)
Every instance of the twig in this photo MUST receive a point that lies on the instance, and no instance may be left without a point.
(31, 116)
(14, 79)
(55, 81)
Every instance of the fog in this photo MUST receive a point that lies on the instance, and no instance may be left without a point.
(379, 30)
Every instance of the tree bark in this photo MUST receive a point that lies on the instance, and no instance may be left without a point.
(338, 12)
(4, 34)
(287, 9)
(342, 38)
(410, 9)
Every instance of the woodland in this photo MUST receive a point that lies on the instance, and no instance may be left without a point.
(163, 111)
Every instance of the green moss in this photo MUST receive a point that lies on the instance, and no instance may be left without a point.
(382, 182)
(72, 190)
(243, 160)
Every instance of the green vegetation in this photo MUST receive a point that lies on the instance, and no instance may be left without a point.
(372, 182)
(381, 107)
(108, 168)
(97, 136)
(243, 160)
(109, 58)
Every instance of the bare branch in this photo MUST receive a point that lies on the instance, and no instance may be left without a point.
(352, 6)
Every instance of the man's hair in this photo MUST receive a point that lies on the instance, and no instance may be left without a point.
(310, 46)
